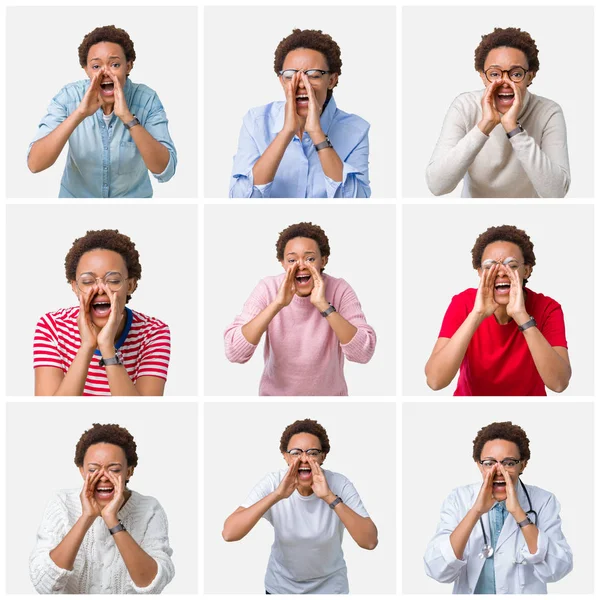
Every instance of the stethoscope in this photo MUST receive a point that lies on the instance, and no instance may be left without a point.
(487, 549)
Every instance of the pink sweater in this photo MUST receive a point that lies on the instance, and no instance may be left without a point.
(303, 356)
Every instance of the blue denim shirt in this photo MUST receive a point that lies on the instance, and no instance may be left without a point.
(104, 162)
(300, 174)
(486, 584)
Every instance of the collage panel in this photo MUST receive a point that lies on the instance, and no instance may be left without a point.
(66, 532)
(477, 510)
(61, 143)
(137, 289)
(341, 97)
(278, 477)
(495, 282)
(498, 116)
(315, 285)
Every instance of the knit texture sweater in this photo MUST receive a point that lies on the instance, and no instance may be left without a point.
(99, 567)
(303, 356)
(531, 164)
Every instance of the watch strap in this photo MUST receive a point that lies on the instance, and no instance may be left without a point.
(114, 360)
(117, 528)
(328, 311)
(135, 121)
(335, 502)
(526, 521)
(324, 144)
(518, 129)
(528, 324)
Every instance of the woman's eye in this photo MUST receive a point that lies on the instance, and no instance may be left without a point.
(311, 259)
(291, 260)
(116, 65)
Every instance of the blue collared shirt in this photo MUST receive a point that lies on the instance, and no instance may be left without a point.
(104, 162)
(300, 174)
(486, 584)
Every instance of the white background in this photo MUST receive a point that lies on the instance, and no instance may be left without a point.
(38, 285)
(442, 238)
(40, 462)
(42, 58)
(239, 53)
(564, 37)
(362, 438)
(438, 458)
(240, 251)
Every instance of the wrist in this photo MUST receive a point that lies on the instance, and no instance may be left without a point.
(320, 305)
(110, 520)
(518, 514)
(87, 520)
(87, 349)
(126, 117)
(520, 318)
(329, 497)
(486, 126)
(107, 350)
(509, 125)
(316, 135)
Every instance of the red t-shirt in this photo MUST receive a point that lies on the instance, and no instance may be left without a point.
(498, 361)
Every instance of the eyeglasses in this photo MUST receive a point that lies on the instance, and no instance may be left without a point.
(112, 280)
(516, 74)
(507, 463)
(511, 263)
(312, 452)
(312, 74)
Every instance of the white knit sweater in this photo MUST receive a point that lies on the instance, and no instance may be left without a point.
(531, 164)
(99, 567)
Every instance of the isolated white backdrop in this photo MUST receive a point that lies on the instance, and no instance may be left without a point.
(241, 445)
(42, 58)
(41, 440)
(38, 239)
(238, 64)
(239, 245)
(438, 458)
(437, 242)
(444, 39)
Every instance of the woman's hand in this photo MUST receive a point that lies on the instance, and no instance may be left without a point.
(289, 483)
(317, 295)
(509, 118)
(109, 512)
(485, 305)
(490, 116)
(319, 483)
(485, 499)
(512, 501)
(287, 289)
(291, 123)
(88, 332)
(90, 509)
(120, 107)
(516, 299)
(107, 335)
(313, 119)
(92, 100)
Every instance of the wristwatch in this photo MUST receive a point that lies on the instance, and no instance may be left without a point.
(322, 145)
(328, 311)
(518, 129)
(528, 324)
(526, 521)
(117, 528)
(135, 121)
(117, 359)
(335, 502)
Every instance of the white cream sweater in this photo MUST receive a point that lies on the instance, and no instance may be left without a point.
(99, 567)
(531, 164)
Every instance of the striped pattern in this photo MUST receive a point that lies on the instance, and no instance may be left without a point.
(146, 349)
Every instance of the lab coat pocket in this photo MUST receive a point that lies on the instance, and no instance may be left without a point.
(130, 159)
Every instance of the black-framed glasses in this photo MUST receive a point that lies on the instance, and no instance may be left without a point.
(507, 463)
(511, 263)
(516, 74)
(312, 74)
(113, 280)
(312, 452)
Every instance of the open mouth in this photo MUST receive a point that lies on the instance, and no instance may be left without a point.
(502, 288)
(104, 491)
(101, 308)
(499, 485)
(107, 88)
(302, 100)
(304, 473)
(303, 279)
(505, 98)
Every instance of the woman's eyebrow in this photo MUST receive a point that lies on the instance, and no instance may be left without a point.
(113, 464)
(509, 68)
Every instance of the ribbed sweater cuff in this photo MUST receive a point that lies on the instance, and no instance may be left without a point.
(48, 577)
(361, 347)
(239, 348)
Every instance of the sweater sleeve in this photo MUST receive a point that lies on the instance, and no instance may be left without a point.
(454, 152)
(237, 348)
(46, 576)
(361, 347)
(546, 165)
(156, 544)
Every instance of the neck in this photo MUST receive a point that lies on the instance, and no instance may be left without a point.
(305, 491)
(501, 315)
(107, 109)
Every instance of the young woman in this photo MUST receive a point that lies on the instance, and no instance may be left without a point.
(117, 130)
(311, 321)
(304, 147)
(104, 538)
(309, 508)
(503, 142)
(101, 347)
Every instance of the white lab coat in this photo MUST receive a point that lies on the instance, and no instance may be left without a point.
(516, 570)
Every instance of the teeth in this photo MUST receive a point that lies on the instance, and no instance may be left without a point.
(301, 97)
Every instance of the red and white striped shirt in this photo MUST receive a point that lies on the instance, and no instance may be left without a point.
(145, 347)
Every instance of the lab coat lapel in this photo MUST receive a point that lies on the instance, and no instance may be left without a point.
(510, 525)
(476, 543)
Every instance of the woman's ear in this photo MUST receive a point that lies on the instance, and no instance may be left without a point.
(528, 270)
(531, 75)
(484, 79)
(131, 286)
(333, 79)
(325, 259)
(75, 288)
